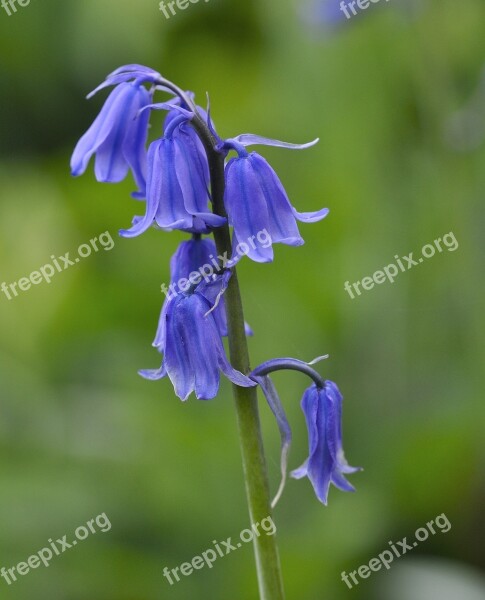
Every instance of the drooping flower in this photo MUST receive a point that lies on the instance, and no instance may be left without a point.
(193, 353)
(327, 15)
(256, 200)
(194, 255)
(323, 13)
(177, 184)
(322, 406)
(195, 260)
(118, 135)
(189, 140)
(326, 463)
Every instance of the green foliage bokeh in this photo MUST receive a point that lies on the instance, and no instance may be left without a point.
(81, 433)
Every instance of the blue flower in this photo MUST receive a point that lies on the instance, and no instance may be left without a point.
(256, 200)
(328, 13)
(195, 260)
(326, 463)
(189, 139)
(193, 353)
(118, 135)
(322, 406)
(177, 182)
(191, 256)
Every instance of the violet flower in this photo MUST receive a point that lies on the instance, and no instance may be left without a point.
(194, 261)
(326, 462)
(118, 135)
(177, 183)
(256, 200)
(193, 353)
(322, 406)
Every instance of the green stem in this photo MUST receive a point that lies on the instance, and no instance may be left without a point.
(246, 400)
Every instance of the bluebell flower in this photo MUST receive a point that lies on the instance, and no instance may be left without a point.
(193, 353)
(177, 183)
(256, 200)
(326, 463)
(327, 13)
(330, 14)
(118, 135)
(195, 260)
(191, 256)
(188, 136)
(322, 406)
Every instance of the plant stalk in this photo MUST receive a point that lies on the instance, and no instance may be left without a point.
(246, 400)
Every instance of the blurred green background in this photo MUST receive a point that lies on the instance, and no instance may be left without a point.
(397, 98)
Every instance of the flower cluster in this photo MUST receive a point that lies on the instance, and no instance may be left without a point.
(173, 178)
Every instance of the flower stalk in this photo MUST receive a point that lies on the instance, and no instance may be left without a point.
(246, 401)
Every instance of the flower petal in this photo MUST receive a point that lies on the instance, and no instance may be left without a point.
(111, 165)
(176, 357)
(140, 225)
(122, 75)
(318, 466)
(159, 341)
(282, 224)
(165, 187)
(99, 130)
(135, 68)
(232, 374)
(193, 175)
(134, 143)
(202, 339)
(246, 206)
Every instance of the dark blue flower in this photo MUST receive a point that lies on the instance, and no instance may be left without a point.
(194, 261)
(193, 353)
(322, 406)
(191, 256)
(326, 463)
(188, 136)
(118, 135)
(256, 200)
(177, 183)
